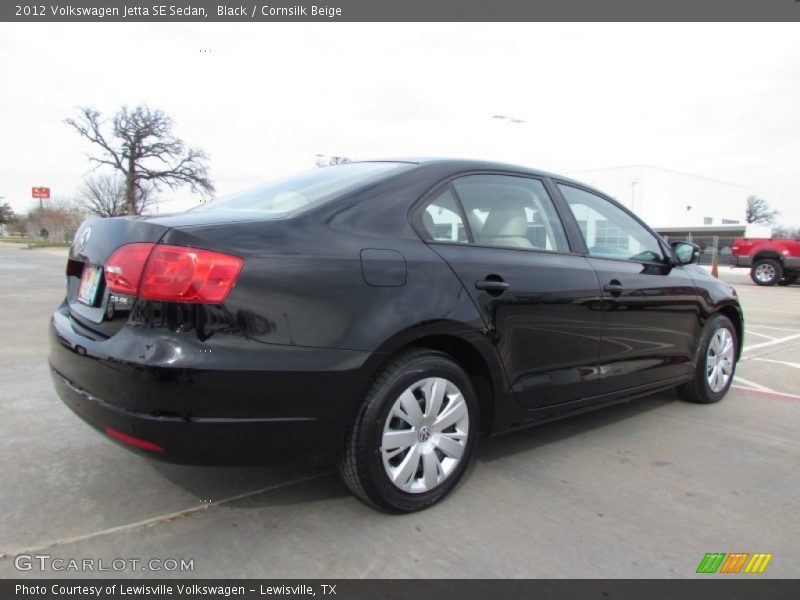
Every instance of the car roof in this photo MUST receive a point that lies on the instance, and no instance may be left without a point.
(470, 164)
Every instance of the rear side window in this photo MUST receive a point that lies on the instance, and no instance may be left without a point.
(511, 212)
(307, 189)
(608, 230)
(442, 219)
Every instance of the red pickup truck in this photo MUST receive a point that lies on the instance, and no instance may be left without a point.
(770, 260)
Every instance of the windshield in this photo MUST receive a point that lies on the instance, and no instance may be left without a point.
(306, 189)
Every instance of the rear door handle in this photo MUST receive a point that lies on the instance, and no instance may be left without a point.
(494, 287)
(614, 288)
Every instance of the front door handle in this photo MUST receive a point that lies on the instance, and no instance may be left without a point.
(614, 288)
(493, 286)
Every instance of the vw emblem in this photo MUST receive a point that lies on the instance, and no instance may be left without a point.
(424, 434)
(84, 238)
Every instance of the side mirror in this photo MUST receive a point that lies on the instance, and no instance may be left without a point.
(684, 253)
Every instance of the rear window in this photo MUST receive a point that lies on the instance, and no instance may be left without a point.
(306, 189)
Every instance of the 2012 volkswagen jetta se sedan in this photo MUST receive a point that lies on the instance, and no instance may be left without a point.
(383, 315)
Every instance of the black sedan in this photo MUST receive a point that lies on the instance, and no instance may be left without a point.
(382, 315)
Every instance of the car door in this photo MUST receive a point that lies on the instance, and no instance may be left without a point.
(650, 308)
(503, 237)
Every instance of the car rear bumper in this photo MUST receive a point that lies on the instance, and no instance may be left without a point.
(204, 441)
(294, 408)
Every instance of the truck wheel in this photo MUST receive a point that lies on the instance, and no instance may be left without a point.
(789, 279)
(766, 271)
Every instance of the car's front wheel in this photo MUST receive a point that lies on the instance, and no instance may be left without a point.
(412, 438)
(716, 363)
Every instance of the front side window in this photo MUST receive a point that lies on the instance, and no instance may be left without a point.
(510, 212)
(608, 230)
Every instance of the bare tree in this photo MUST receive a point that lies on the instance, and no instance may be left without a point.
(759, 211)
(57, 220)
(143, 149)
(785, 231)
(104, 195)
(6, 213)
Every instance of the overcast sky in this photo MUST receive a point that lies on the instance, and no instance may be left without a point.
(717, 100)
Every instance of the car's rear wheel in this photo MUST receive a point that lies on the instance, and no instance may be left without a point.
(413, 436)
(766, 271)
(716, 363)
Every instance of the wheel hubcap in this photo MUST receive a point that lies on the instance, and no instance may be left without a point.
(719, 360)
(425, 435)
(765, 272)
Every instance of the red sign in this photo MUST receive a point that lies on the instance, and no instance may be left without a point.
(41, 192)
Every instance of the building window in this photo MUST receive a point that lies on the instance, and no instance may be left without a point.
(582, 225)
(609, 235)
(708, 221)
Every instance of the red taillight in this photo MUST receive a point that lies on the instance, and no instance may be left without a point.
(178, 274)
(124, 268)
(172, 273)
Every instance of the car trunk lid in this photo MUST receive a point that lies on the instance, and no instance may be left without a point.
(98, 312)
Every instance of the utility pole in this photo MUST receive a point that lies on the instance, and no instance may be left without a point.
(634, 183)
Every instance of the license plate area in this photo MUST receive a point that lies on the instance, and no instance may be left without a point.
(90, 283)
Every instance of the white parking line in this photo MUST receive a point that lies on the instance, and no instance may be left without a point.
(751, 332)
(752, 384)
(774, 327)
(780, 362)
(772, 342)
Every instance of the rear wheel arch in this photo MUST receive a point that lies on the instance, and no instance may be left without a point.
(772, 254)
(485, 372)
(476, 367)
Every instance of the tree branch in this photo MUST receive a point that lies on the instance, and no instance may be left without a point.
(144, 150)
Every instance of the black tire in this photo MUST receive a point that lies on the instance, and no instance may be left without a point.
(789, 279)
(361, 464)
(698, 389)
(766, 271)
